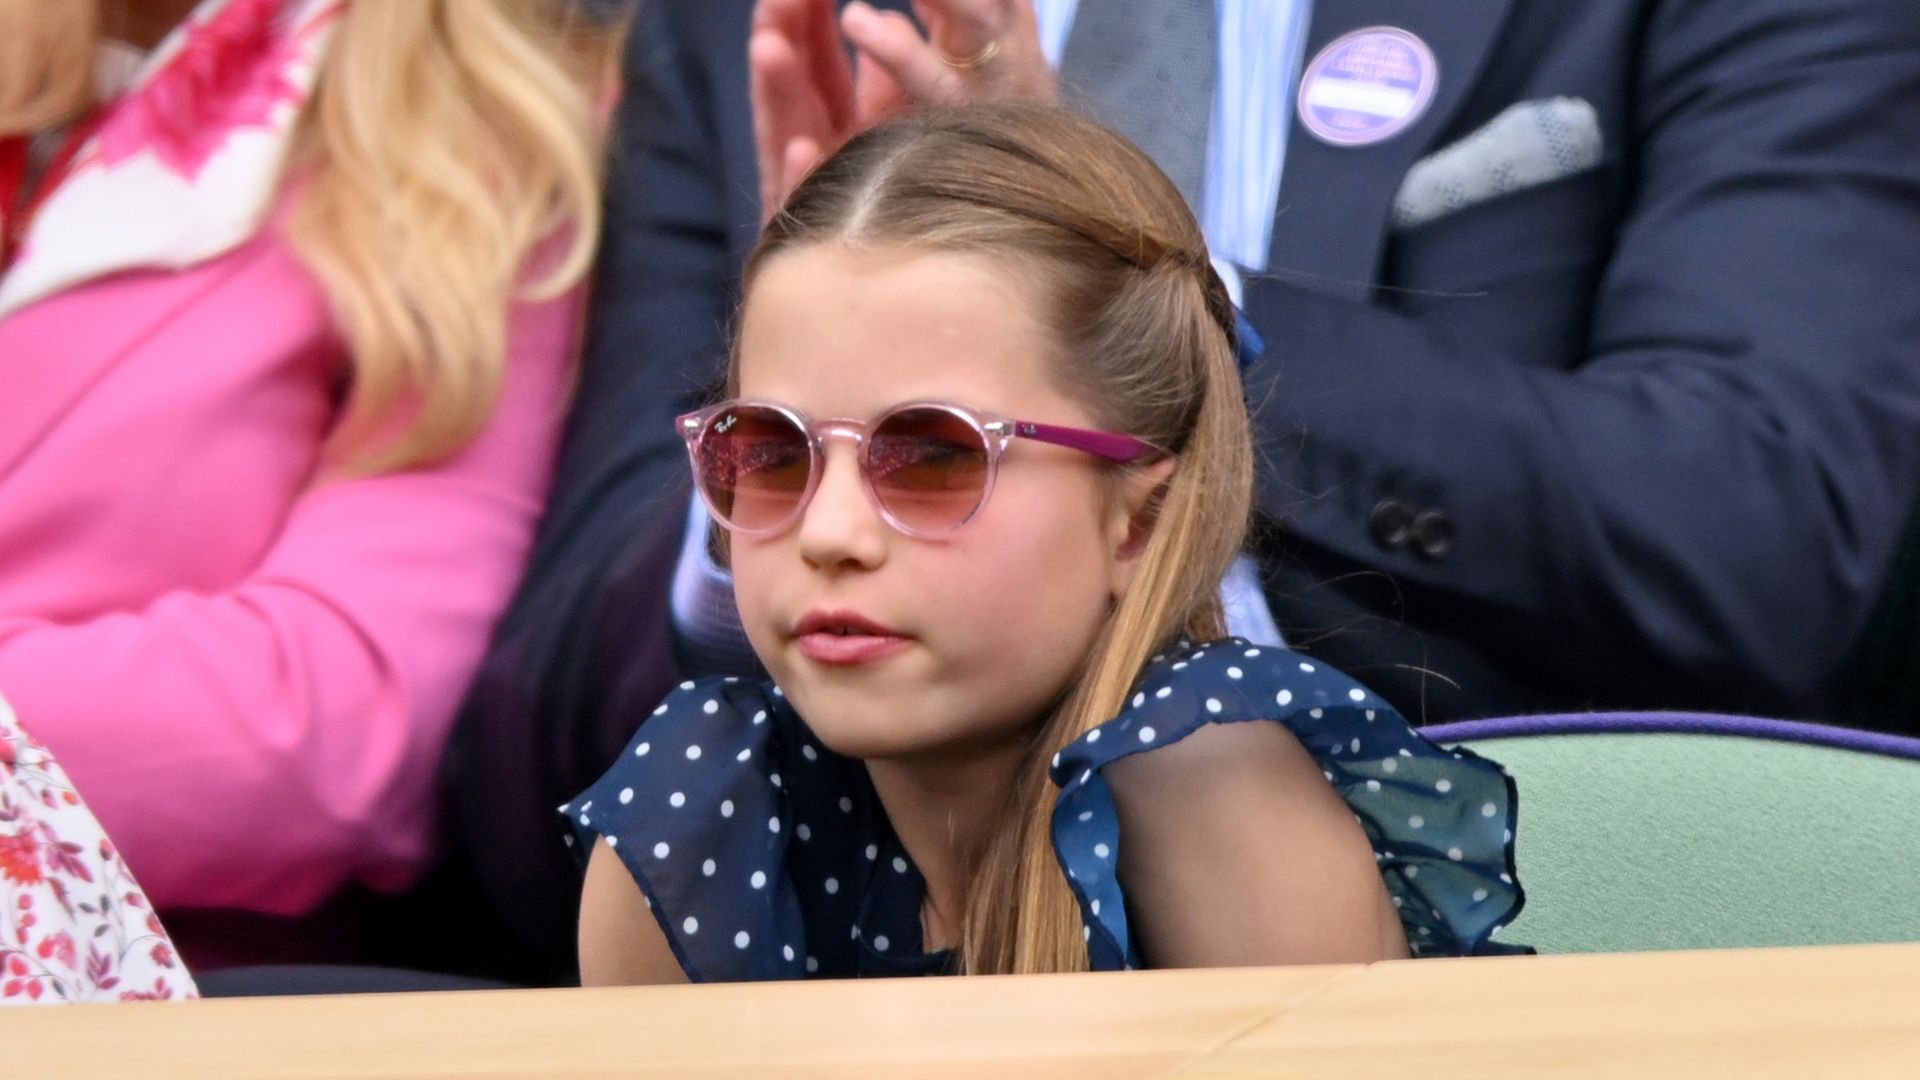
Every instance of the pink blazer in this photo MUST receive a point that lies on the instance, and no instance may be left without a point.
(248, 668)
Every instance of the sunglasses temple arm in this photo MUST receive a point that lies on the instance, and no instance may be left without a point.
(1104, 444)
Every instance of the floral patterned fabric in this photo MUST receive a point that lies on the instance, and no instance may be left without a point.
(76, 926)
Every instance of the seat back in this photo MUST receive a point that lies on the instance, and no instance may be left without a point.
(1682, 831)
(1881, 686)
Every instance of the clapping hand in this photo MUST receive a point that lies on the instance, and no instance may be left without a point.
(809, 97)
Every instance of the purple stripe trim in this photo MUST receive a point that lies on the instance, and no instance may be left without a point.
(1748, 727)
(1104, 444)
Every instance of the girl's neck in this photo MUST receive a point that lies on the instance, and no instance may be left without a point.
(944, 811)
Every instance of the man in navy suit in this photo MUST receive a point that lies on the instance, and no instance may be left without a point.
(1641, 430)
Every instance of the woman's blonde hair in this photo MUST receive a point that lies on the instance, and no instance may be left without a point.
(1145, 342)
(449, 165)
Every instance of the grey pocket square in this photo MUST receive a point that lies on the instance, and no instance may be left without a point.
(1531, 143)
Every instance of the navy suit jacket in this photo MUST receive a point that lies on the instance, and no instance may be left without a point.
(1646, 436)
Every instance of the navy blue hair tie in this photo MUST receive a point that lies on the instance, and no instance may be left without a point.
(1248, 346)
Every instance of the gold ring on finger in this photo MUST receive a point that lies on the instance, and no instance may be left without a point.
(968, 63)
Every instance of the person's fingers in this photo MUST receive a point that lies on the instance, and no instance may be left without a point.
(764, 61)
(891, 41)
(781, 15)
(803, 155)
(1020, 71)
(1003, 35)
(878, 96)
(786, 106)
(825, 54)
(810, 28)
(1020, 23)
(963, 27)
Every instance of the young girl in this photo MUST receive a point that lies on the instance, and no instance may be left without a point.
(983, 463)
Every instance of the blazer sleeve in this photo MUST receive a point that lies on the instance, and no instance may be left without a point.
(263, 746)
(584, 650)
(656, 342)
(1718, 488)
(680, 217)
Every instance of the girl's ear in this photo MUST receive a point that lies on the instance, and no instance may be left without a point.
(1135, 510)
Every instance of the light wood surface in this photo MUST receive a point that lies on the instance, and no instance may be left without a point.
(1850, 1012)
(1131, 1024)
(1840, 1012)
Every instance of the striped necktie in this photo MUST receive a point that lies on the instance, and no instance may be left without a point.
(1145, 68)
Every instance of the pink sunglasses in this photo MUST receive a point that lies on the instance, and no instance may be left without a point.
(927, 466)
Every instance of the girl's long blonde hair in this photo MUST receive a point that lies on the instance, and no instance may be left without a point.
(1145, 329)
(449, 165)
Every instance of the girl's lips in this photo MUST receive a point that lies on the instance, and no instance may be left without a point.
(849, 650)
(846, 639)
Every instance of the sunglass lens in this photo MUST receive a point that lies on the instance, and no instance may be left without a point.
(754, 463)
(928, 467)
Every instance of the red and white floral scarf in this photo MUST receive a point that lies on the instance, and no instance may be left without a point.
(184, 165)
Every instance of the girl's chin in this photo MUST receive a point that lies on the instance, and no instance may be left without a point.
(873, 734)
(907, 733)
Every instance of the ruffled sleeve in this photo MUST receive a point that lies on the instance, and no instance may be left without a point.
(695, 808)
(1440, 821)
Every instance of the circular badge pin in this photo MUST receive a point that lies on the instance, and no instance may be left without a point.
(1367, 86)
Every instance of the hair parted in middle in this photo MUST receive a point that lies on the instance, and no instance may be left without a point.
(1144, 331)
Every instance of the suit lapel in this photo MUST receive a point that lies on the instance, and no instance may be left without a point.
(1331, 222)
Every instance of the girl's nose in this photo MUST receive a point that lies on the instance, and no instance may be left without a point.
(840, 527)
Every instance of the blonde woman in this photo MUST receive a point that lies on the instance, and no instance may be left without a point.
(287, 321)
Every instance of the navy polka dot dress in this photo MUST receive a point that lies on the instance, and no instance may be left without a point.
(764, 855)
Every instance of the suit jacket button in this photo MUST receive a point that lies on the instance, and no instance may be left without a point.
(1391, 524)
(1432, 535)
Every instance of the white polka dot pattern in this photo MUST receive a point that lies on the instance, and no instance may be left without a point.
(825, 889)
